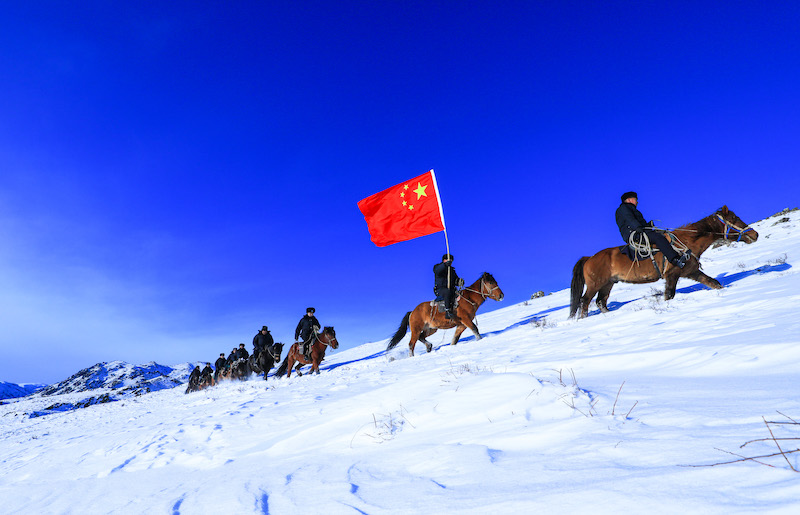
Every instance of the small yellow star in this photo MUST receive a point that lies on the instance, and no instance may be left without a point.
(410, 208)
(403, 194)
(405, 203)
(405, 187)
(420, 191)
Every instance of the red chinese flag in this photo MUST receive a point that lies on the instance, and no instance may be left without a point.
(404, 212)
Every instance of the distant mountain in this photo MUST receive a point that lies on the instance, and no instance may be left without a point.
(12, 390)
(112, 381)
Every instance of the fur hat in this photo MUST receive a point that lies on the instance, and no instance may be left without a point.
(629, 194)
(311, 310)
(447, 257)
(264, 328)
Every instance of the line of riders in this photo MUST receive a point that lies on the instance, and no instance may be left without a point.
(240, 364)
(641, 237)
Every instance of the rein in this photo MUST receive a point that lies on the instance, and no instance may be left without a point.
(729, 228)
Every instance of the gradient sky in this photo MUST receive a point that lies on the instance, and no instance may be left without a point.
(177, 174)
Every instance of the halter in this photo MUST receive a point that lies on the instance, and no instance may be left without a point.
(730, 228)
(317, 338)
(483, 284)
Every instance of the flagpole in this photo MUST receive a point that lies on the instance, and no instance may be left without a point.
(441, 213)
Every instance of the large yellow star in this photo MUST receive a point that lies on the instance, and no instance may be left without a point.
(420, 191)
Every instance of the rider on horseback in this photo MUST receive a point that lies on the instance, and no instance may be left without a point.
(262, 341)
(446, 282)
(220, 365)
(206, 374)
(241, 352)
(630, 220)
(305, 330)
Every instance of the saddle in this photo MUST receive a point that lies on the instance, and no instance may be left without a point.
(641, 247)
(439, 304)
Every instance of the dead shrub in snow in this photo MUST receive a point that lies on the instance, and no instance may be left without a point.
(773, 426)
(781, 260)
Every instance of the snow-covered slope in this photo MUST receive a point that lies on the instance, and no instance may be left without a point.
(619, 411)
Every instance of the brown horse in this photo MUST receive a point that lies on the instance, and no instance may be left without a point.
(426, 319)
(321, 341)
(599, 272)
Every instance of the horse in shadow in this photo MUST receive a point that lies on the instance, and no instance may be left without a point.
(599, 273)
(425, 319)
(266, 359)
(320, 342)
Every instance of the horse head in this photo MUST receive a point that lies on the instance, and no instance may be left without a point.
(275, 351)
(733, 228)
(328, 337)
(489, 287)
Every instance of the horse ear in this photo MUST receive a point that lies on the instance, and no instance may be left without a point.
(724, 209)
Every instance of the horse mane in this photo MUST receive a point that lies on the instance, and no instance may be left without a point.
(329, 329)
(706, 224)
(487, 276)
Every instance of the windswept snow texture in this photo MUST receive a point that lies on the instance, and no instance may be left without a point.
(533, 417)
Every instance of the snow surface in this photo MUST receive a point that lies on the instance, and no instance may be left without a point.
(534, 416)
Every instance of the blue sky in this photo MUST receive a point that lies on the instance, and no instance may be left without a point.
(177, 174)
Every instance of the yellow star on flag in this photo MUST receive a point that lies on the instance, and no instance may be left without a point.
(420, 191)
(410, 208)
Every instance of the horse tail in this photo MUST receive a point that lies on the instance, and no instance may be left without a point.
(576, 287)
(282, 369)
(401, 331)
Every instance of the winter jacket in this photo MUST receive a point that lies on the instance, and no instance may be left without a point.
(440, 274)
(262, 341)
(242, 353)
(305, 327)
(220, 364)
(629, 220)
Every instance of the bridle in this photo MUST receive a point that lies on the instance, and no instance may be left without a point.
(329, 344)
(731, 228)
(483, 286)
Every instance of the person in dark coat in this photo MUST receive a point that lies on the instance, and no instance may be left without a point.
(262, 341)
(305, 330)
(630, 220)
(232, 356)
(445, 283)
(206, 374)
(220, 365)
(194, 380)
(241, 352)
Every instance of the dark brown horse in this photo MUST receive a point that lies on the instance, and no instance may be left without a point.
(599, 272)
(426, 319)
(266, 359)
(320, 342)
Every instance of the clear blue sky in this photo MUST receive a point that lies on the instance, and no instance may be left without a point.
(177, 174)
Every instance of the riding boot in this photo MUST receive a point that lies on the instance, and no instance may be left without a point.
(681, 260)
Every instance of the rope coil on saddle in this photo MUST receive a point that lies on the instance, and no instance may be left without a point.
(639, 243)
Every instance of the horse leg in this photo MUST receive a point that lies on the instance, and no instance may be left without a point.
(702, 278)
(586, 299)
(472, 327)
(602, 297)
(457, 335)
